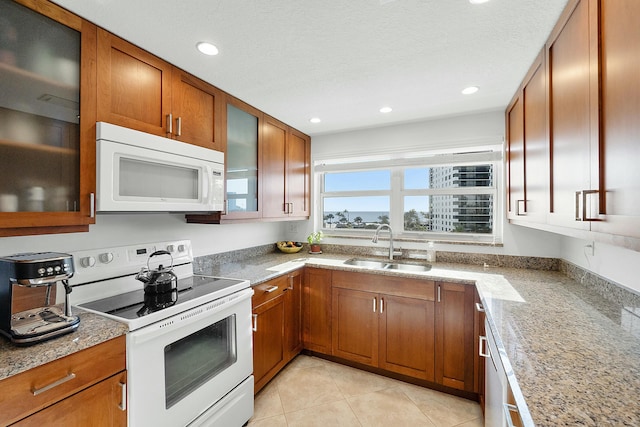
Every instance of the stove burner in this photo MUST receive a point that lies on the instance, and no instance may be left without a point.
(157, 301)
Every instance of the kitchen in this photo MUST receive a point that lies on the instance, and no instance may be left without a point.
(586, 251)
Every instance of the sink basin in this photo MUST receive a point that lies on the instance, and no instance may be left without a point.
(366, 263)
(408, 267)
(386, 265)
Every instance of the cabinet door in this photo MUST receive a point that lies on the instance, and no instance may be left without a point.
(355, 325)
(134, 87)
(268, 340)
(298, 174)
(316, 310)
(620, 37)
(47, 123)
(573, 102)
(536, 144)
(243, 160)
(407, 336)
(273, 174)
(515, 160)
(293, 315)
(455, 317)
(98, 405)
(195, 107)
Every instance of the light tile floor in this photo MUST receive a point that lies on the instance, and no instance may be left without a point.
(315, 392)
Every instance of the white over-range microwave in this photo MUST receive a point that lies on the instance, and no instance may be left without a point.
(140, 172)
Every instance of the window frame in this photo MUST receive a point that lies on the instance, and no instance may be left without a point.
(396, 194)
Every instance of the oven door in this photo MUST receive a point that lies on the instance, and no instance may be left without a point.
(180, 367)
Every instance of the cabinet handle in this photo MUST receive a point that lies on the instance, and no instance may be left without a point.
(480, 352)
(291, 208)
(37, 391)
(522, 212)
(255, 323)
(508, 409)
(381, 305)
(479, 308)
(438, 293)
(585, 215)
(123, 390)
(179, 126)
(92, 205)
(375, 304)
(169, 124)
(271, 289)
(578, 218)
(290, 288)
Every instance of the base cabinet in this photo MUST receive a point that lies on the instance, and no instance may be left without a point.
(276, 326)
(85, 388)
(86, 408)
(384, 322)
(454, 325)
(317, 310)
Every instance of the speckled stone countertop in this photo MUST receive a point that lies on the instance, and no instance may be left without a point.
(571, 356)
(92, 330)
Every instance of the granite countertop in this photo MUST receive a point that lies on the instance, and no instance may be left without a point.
(571, 357)
(92, 330)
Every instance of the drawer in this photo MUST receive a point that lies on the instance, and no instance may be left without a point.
(37, 388)
(268, 290)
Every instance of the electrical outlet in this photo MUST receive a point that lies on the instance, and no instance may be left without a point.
(293, 227)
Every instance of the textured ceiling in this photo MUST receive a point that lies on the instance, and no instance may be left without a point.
(341, 60)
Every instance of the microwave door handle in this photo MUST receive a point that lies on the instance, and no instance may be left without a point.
(206, 182)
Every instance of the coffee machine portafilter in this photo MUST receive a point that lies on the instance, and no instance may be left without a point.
(27, 314)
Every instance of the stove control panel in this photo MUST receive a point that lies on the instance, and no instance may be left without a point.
(102, 263)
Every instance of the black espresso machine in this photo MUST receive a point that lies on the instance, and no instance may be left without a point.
(28, 310)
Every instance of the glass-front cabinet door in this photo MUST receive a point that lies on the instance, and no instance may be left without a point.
(46, 139)
(243, 184)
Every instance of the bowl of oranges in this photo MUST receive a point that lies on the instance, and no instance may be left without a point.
(289, 247)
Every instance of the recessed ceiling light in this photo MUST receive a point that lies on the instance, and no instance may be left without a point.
(207, 48)
(315, 120)
(386, 109)
(469, 90)
(478, 1)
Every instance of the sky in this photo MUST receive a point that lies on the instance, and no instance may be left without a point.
(373, 180)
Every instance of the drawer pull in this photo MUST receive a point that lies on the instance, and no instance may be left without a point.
(479, 308)
(255, 323)
(508, 410)
(480, 352)
(37, 391)
(123, 389)
(271, 289)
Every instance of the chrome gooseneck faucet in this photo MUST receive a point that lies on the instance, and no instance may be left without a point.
(375, 238)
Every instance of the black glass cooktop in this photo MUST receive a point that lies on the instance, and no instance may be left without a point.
(136, 304)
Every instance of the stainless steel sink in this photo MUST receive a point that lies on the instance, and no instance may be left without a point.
(387, 265)
(408, 267)
(366, 263)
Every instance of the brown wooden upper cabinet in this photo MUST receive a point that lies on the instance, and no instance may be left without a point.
(286, 171)
(527, 149)
(140, 91)
(620, 109)
(47, 123)
(573, 109)
(572, 152)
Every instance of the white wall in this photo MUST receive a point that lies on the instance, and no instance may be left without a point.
(611, 262)
(480, 129)
(117, 230)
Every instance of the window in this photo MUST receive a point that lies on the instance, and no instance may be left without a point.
(444, 197)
